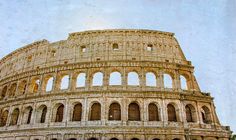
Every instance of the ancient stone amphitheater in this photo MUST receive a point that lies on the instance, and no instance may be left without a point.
(105, 85)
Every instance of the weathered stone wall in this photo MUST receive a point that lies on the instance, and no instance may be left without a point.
(24, 76)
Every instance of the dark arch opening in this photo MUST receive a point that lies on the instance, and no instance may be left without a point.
(133, 112)
(206, 115)
(114, 112)
(43, 115)
(189, 110)
(14, 117)
(59, 114)
(153, 112)
(171, 113)
(95, 112)
(29, 113)
(72, 139)
(77, 112)
(3, 118)
(4, 91)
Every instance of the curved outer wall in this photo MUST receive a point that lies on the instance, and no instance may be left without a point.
(105, 51)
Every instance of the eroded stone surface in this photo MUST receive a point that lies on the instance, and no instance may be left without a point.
(30, 111)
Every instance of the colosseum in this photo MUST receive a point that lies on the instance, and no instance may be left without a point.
(105, 85)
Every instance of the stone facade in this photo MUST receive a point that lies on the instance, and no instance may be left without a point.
(105, 85)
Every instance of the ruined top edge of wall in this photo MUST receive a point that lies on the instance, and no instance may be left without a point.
(88, 32)
(72, 35)
(26, 47)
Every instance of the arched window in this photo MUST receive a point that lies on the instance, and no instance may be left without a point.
(151, 79)
(3, 118)
(114, 112)
(134, 139)
(22, 87)
(206, 115)
(81, 79)
(72, 139)
(183, 82)
(156, 139)
(4, 91)
(115, 78)
(77, 112)
(190, 113)
(134, 112)
(12, 90)
(171, 113)
(115, 47)
(65, 82)
(133, 79)
(153, 112)
(14, 116)
(95, 112)
(43, 114)
(35, 85)
(167, 81)
(49, 84)
(114, 139)
(176, 139)
(59, 114)
(27, 115)
(98, 79)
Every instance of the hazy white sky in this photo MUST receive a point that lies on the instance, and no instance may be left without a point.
(205, 29)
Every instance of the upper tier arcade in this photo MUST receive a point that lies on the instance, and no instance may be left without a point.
(95, 46)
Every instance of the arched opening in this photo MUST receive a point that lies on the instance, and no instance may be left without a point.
(95, 112)
(12, 90)
(49, 84)
(77, 112)
(171, 113)
(115, 47)
(43, 113)
(156, 139)
(34, 86)
(183, 83)
(27, 115)
(151, 79)
(22, 87)
(98, 79)
(134, 112)
(72, 139)
(134, 139)
(59, 113)
(190, 113)
(153, 112)
(206, 115)
(176, 139)
(114, 139)
(14, 116)
(133, 79)
(4, 91)
(3, 118)
(115, 78)
(81, 80)
(167, 81)
(114, 112)
(65, 82)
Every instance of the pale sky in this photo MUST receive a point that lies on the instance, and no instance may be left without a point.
(205, 29)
